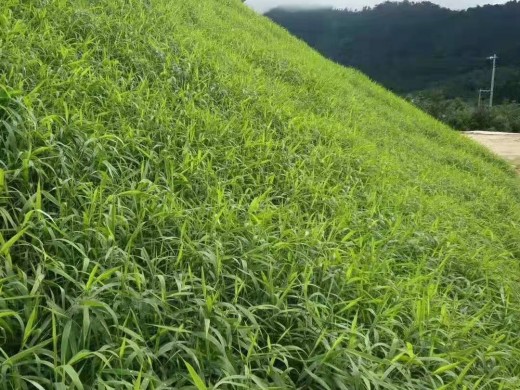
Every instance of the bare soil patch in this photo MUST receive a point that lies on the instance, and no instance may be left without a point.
(506, 145)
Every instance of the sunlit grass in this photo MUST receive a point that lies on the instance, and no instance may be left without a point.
(190, 198)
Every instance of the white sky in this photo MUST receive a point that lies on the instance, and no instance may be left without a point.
(265, 5)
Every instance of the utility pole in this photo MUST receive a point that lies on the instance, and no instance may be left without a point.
(492, 91)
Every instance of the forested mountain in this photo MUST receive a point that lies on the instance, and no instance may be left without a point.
(410, 46)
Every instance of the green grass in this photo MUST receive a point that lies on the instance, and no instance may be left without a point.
(190, 198)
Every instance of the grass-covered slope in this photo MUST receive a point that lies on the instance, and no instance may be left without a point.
(191, 198)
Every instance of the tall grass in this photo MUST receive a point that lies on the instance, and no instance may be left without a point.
(191, 198)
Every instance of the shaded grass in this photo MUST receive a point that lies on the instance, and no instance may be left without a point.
(190, 197)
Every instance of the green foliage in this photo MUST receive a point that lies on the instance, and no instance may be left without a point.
(465, 116)
(191, 198)
(413, 46)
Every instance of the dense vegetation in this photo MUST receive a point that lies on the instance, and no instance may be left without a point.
(410, 46)
(462, 115)
(191, 198)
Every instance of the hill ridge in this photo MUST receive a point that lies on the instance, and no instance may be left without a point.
(415, 46)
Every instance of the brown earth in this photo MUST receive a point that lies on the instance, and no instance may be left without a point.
(506, 145)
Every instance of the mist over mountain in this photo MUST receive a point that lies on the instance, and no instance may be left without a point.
(266, 5)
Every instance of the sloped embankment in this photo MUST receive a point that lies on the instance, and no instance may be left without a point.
(190, 196)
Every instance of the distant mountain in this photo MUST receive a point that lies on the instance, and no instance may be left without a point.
(410, 46)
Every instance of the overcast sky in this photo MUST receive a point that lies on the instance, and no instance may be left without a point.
(265, 5)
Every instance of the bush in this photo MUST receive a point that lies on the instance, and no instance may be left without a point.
(464, 116)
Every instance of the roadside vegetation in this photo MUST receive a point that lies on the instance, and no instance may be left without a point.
(190, 198)
(462, 115)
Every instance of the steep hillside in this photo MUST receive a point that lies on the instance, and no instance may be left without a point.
(192, 198)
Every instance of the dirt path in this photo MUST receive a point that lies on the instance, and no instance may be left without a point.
(506, 145)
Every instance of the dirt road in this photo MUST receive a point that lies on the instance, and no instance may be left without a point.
(506, 145)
